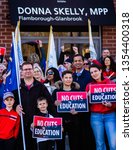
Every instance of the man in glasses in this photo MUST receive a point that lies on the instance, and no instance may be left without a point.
(30, 90)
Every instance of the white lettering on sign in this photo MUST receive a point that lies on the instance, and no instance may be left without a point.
(70, 105)
(50, 123)
(32, 10)
(105, 89)
(52, 132)
(103, 97)
(97, 90)
(65, 97)
(76, 97)
(46, 123)
(68, 18)
(47, 132)
(40, 123)
(98, 11)
(40, 131)
(69, 11)
(71, 97)
(111, 89)
(47, 11)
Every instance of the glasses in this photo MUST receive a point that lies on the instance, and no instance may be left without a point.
(28, 69)
(36, 71)
(50, 73)
(86, 63)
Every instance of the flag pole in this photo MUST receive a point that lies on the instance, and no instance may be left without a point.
(89, 29)
(93, 54)
(49, 41)
(18, 81)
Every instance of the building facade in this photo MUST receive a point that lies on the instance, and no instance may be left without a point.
(104, 36)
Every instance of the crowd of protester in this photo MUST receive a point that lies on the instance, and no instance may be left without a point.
(93, 130)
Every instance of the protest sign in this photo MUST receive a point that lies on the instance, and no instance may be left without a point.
(72, 100)
(102, 92)
(50, 128)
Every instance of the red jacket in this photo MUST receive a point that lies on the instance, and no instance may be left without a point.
(9, 124)
(100, 108)
(108, 73)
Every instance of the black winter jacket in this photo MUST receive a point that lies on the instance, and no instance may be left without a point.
(29, 99)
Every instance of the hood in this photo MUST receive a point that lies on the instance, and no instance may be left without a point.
(59, 85)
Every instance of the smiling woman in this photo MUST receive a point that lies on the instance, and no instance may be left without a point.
(38, 73)
(103, 116)
(52, 76)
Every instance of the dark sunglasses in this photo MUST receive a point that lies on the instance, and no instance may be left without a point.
(50, 73)
(86, 63)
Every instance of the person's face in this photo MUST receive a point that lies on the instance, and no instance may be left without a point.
(67, 79)
(105, 53)
(37, 73)
(107, 62)
(42, 105)
(78, 62)
(27, 71)
(86, 64)
(95, 73)
(67, 65)
(9, 102)
(50, 75)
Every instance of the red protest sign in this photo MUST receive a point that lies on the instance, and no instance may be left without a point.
(50, 128)
(102, 92)
(72, 100)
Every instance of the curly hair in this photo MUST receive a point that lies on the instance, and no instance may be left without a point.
(56, 74)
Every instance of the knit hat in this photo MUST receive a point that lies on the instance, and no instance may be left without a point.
(8, 94)
(37, 66)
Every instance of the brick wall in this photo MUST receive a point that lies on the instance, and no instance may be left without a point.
(6, 29)
(109, 37)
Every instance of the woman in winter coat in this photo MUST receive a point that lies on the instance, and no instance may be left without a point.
(70, 119)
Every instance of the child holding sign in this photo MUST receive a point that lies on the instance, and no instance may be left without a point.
(103, 116)
(43, 143)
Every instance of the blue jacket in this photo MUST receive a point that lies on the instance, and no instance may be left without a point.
(83, 79)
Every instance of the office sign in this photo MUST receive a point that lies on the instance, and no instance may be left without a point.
(62, 12)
